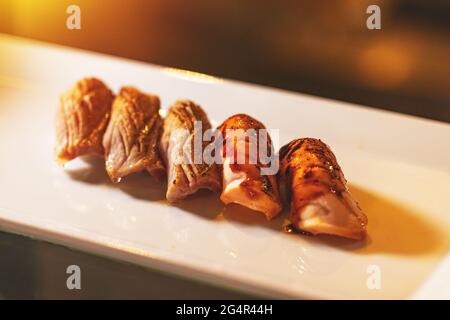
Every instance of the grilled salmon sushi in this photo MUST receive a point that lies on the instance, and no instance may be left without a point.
(187, 172)
(243, 179)
(320, 200)
(82, 118)
(132, 136)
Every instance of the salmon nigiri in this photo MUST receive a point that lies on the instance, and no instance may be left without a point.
(82, 118)
(243, 181)
(320, 200)
(186, 174)
(131, 139)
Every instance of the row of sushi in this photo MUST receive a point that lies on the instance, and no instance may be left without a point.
(130, 133)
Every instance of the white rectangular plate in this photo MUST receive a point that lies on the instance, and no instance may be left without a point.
(398, 168)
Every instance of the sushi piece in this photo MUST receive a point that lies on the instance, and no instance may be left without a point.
(243, 181)
(131, 139)
(186, 172)
(81, 120)
(320, 200)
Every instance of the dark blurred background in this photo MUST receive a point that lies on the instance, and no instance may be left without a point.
(316, 47)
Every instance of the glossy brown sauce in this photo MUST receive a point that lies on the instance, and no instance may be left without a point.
(292, 229)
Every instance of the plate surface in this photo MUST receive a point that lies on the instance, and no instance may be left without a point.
(398, 168)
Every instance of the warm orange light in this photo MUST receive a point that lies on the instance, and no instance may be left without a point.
(385, 65)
